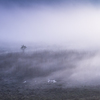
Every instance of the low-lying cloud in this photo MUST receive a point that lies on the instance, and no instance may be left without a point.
(61, 68)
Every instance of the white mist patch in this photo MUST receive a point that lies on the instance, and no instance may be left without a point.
(87, 71)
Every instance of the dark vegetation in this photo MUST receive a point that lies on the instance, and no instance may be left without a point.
(24, 76)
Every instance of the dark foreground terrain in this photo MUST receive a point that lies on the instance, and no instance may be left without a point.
(24, 76)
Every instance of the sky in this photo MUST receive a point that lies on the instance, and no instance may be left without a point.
(68, 23)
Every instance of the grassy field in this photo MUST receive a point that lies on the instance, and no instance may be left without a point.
(23, 76)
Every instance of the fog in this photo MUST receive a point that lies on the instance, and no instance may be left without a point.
(70, 25)
(73, 24)
(69, 69)
(48, 69)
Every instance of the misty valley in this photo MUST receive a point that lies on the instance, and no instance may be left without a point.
(60, 58)
(50, 75)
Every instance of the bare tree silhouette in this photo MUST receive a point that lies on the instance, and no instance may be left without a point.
(23, 47)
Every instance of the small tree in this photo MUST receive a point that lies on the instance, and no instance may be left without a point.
(23, 47)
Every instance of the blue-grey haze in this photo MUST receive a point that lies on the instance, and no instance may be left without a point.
(69, 23)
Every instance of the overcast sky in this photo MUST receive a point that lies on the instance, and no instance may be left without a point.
(75, 22)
